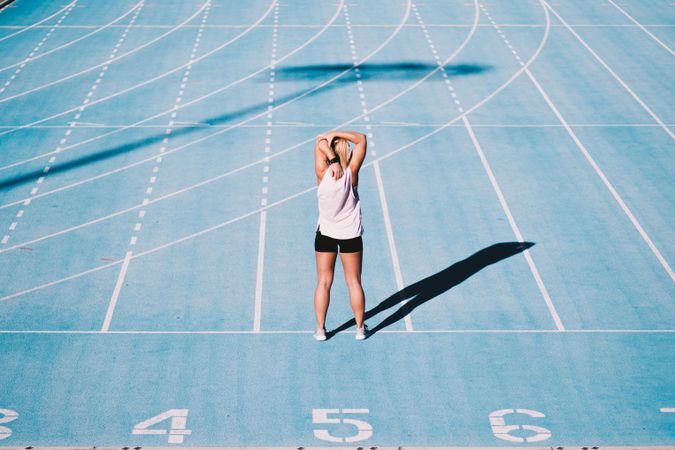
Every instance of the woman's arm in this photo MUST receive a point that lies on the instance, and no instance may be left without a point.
(358, 153)
(322, 154)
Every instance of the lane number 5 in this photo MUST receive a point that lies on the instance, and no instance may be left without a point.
(503, 431)
(363, 429)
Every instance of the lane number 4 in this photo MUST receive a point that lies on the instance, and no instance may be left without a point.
(177, 430)
(363, 430)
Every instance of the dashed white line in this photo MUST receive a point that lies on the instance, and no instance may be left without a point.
(600, 173)
(68, 131)
(112, 59)
(262, 232)
(69, 7)
(149, 189)
(68, 10)
(502, 200)
(378, 175)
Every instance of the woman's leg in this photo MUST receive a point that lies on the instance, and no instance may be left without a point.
(352, 263)
(325, 266)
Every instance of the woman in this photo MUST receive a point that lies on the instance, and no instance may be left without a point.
(339, 227)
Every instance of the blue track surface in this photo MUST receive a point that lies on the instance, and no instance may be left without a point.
(157, 209)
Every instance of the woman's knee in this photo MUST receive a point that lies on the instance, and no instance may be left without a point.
(325, 281)
(353, 281)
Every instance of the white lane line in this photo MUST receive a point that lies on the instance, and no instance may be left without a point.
(612, 72)
(496, 187)
(667, 410)
(632, 19)
(262, 232)
(68, 10)
(378, 175)
(69, 130)
(286, 199)
(295, 99)
(293, 332)
(116, 292)
(110, 60)
(380, 124)
(514, 227)
(67, 44)
(604, 179)
(503, 86)
(170, 111)
(386, 42)
(505, 207)
(231, 127)
(69, 6)
(293, 147)
(374, 25)
(257, 313)
(153, 178)
(134, 87)
(161, 247)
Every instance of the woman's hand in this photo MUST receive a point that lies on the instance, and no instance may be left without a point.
(336, 170)
(327, 136)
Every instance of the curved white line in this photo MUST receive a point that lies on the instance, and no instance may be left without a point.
(307, 42)
(250, 119)
(288, 149)
(40, 22)
(612, 72)
(447, 60)
(534, 56)
(298, 194)
(168, 111)
(519, 72)
(108, 61)
(67, 44)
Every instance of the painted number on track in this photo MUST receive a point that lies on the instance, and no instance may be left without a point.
(177, 430)
(505, 432)
(363, 430)
(7, 415)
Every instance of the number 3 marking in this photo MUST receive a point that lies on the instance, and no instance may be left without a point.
(7, 416)
(503, 431)
(364, 429)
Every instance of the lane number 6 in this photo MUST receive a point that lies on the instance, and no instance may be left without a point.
(7, 416)
(503, 431)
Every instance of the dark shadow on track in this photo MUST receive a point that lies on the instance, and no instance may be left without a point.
(378, 72)
(424, 290)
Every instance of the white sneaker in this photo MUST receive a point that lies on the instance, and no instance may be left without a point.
(362, 333)
(320, 335)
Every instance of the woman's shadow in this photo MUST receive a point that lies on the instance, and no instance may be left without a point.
(434, 285)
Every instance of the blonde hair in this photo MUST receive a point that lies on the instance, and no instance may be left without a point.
(341, 148)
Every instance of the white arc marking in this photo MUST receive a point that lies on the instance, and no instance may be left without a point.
(604, 179)
(609, 69)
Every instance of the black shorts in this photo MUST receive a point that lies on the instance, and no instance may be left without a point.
(329, 245)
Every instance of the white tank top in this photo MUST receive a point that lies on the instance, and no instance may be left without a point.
(339, 207)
